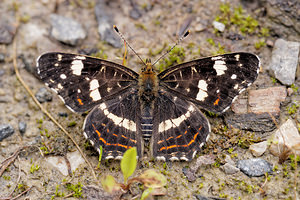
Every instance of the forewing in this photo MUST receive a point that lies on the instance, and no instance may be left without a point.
(179, 128)
(115, 125)
(213, 82)
(81, 81)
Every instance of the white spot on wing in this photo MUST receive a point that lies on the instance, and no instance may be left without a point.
(216, 58)
(220, 67)
(63, 76)
(77, 66)
(79, 91)
(166, 125)
(80, 57)
(233, 76)
(174, 159)
(94, 84)
(236, 86)
(95, 95)
(59, 57)
(59, 86)
(202, 85)
(126, 123)
(201, 95)
(237, 57)
(161, 158)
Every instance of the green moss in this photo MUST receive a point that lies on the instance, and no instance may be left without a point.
(7, 178)
(176, 56)
(261, 43)
(141, 26)
(72, 123)
(76, 189)
(34, 168)
(292, 109)
(100, 54)
(294, 88)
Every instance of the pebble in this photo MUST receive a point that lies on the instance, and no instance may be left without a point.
(200, 197)
(219, 26)
(285, 138)
(262, 122)
(2, 57)
(59, 162)
(199, 27)
(230, 169)
(43, 95)
(258, 149)
(284, 61)
(63, 114)
(22, 127)
(66, 30)
(105, 25)
(267, 100)
(6, 130)
(254, 167)
(7, 33)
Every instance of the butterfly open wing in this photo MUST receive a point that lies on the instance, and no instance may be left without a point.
(214, 82)
(179, 128)
(81, 81)
(115, 125)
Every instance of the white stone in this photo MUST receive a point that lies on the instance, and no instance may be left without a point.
(286, 137)
(259, 148)
(59, 162)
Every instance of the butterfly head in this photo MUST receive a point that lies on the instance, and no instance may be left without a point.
(148, 68)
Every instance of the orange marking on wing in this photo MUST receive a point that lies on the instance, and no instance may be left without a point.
(160, 141)
(169, 138)
(79, 101)
(184, 145)
(123, 136)
(115, 135)
(179, 136)
(216, 102)
(107, 130)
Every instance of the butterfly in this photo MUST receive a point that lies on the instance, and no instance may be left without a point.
(130, 109)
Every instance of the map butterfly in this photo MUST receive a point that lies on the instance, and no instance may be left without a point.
(129, 109)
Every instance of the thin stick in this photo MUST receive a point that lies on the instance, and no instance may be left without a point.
(123, 38)
(177, 42)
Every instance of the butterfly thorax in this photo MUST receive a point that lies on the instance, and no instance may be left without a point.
(148, 84)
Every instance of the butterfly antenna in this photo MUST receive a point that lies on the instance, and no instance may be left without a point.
(168, 51)
(123, 38)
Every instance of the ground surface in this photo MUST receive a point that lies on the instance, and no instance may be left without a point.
(159, 23)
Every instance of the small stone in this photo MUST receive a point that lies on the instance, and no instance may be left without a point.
(219, 26)
(290, 91)
(6, 130)
(200, 197)
(285, 138)
(259, 148)
(266, 100)
(199, 27)
(284, 61)
(2, 57)
(230, 169)
(59, 162)
(240, 105)
(229, 160)
(254, 167)
(105, 24)
(66, 30)
(63, 114)
(7, 33)
(253, 122)
(43, 95)
(22, 127)
(270, 43)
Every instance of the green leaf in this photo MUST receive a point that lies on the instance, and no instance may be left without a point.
(100, 157)
(146, 193)
(110, 185)
(128, 163)
(153, 179)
